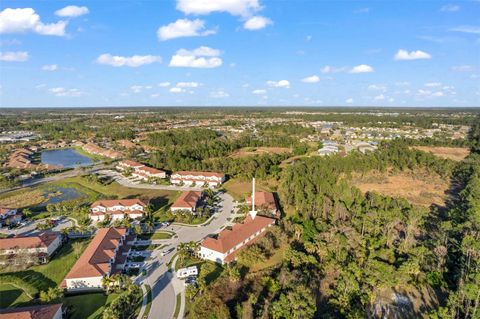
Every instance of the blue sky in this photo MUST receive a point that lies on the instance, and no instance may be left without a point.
(239, 52)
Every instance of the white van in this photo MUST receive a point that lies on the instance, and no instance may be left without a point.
(187, 272)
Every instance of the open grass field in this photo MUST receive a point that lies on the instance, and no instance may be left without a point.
(252, 151)
(88, 306)
(452, 153)
(25, 197)
(240, 189)
(419, 188)
(11, 296)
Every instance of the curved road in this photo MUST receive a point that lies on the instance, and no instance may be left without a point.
(164, 284)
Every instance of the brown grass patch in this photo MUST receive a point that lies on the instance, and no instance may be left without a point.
(419, 188)
(452, 153)
(251, 151)
(240, 189)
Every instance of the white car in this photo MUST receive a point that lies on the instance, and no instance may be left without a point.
(167, 251)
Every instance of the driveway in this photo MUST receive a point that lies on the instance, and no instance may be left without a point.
(165, 286)
(31, 227)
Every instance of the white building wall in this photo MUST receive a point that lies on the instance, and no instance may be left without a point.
(58, 314)
(54, 245)
(83, 284)
(206, 253)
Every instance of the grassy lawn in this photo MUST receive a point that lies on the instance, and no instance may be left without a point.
(187, 262)
(177, 306)
(51, 274)
(88, 306)
(148, 306)
(11, 296)
(161, 235)
(94, 157)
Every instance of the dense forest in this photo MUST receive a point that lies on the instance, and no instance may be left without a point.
(353, 255)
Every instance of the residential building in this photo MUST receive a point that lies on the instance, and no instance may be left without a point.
(328, 148)
(146, 173)
(97, 150)
(141, 171)
(106, 255)
(39, 247)
(265, 201)
(128, 164)
(229, 242)
(117, 209)
(53, 311)
(187, 201)
(9, 216)
(189, 178)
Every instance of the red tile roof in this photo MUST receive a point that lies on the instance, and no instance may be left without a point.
(150, 170)
(4, 210)
(207, 174)
(130, 163)
(187, 200)
(107, 203)
(33, 312)
(95, 260)
(263, 199)
(24, 242)
(227, 239)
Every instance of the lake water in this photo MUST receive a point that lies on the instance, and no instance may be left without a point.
(67, 157)
(60, 194)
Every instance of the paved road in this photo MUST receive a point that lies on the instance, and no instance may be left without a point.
(31, 227)
(164, 284)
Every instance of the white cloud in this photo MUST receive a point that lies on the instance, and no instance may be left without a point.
(349, 100)
(19, 56)
(23, 20)
(242, 8)
(462, 68)
(164, 84)
(412, 55)
(433, 84)
(183, 28)
(219, 94)
(279, 84)
(377, 87)
(188, 84)
(177, 90)
(311, 79)
(136, 88)
(467, 29)
(72, 11)
(330, 69)
(257, 23)
(362, 68)
(202, 57)
(133, 61)
(450, 8)
(50, 67)
(60, 91)
(380, 97)
(308, 38)
(259, 92)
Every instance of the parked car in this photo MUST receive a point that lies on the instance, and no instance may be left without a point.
(167, 251)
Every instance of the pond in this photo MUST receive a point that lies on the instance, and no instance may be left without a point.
(66, 157)
(59, 194)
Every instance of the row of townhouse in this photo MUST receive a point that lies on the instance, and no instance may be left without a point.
(189, 178)
(117, 209)
(37, 248)
(106, 255)
(141, 171)
(97, 150)
(9, 216)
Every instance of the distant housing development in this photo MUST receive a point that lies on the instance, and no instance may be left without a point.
(53, 311)
(38, 248)
(210, 179)
(106, 255)
(97, 150)
(187, 201)
(117, 209)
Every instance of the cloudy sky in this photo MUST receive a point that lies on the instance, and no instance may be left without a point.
(239, 52)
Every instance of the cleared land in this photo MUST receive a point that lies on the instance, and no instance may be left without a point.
(251, 151)
(453, 153)
(419, 188)
(240, 189)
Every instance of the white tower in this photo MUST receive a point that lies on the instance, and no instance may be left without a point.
(253, 212)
